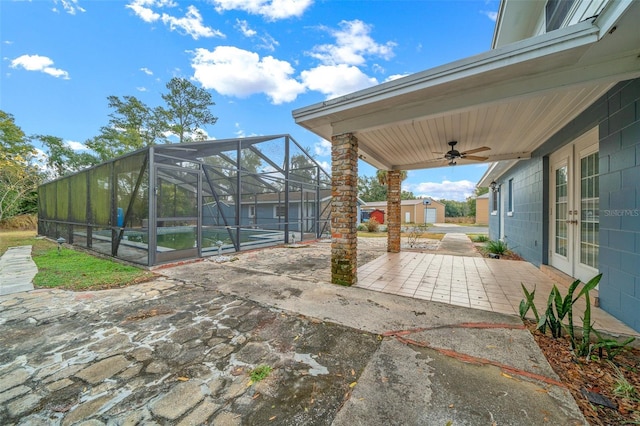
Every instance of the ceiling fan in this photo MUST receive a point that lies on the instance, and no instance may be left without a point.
(453, 154)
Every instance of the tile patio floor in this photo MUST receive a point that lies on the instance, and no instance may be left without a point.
(474, 282)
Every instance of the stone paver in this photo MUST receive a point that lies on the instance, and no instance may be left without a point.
(180, 349)
(17, 270)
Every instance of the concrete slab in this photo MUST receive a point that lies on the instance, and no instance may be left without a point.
(17, 270)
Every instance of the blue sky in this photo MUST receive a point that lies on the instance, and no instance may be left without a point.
(260, 59)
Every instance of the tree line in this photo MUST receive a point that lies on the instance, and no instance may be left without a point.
(131, 125)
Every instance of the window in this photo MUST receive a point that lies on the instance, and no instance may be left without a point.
(510, 199)
(252, 211)
(494, 202)
(555, 13)
(278, 211)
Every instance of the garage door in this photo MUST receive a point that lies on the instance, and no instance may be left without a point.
(430, 215)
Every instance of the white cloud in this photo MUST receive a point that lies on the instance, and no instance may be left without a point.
(322, 148)
(141, 89)
(142, 9)
(76, 146)
(448, 190)
(8, 42)
(191, 24)
(243, 26)
(266, 41)
(146, 70)
(269, 9)
(69, 6)
(490, 14)
(395, 77)
(39, 63)
(336, 80)
(240, 73)
(353, 43)
(326, 166)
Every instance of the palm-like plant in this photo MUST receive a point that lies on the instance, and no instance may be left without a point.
(381, 175)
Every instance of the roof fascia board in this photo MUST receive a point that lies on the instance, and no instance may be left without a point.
(495, 171)
(611, 14)
(581, 34)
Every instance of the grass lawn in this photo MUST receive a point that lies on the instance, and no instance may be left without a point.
(71, 269)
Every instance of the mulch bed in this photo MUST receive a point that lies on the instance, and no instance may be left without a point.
(597, 384)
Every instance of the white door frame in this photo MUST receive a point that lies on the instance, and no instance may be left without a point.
(565, 213)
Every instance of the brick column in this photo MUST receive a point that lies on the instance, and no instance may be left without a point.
(393, 211)
(344, 209)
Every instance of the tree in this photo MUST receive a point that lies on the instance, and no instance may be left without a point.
(13, 142)
(381, 175)
(19, 178)
(187, 109)
(132, 125)
(139, 125)
(370, 189)
(471, 201)
(63, 160)
(454, 208)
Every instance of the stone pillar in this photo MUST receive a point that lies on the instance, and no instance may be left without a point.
(344, 209)
(393, 211)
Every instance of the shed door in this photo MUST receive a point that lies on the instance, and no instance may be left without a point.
(430, 215)
(574, 208)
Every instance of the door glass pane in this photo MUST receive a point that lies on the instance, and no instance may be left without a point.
(590, 205)
(177, 210)
(561, 206)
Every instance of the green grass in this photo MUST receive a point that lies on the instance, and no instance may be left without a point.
(71, 269)
(479, 238)
(260, 373)
(367, 234)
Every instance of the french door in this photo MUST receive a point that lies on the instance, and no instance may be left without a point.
(574, 207)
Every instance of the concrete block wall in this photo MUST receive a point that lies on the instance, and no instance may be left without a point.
(524, 229)
(619, 259)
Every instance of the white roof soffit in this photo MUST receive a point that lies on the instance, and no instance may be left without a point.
(511, 99)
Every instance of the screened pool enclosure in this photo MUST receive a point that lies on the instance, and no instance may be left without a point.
(181, 201)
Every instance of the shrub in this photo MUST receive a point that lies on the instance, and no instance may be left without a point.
(362, 227)
(496, 247)
(558, 308)
(373, 225)
(480, 239)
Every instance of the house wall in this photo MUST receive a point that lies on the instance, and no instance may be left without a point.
(619, 204)
(617, 115)
(524, 227)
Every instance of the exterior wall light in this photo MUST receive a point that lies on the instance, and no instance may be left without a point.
(494, 186)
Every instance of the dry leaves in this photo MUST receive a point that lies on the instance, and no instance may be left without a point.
(596, 376)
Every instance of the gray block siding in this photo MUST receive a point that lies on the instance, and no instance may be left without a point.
(617, 114)
(523, 230)
(619, 203)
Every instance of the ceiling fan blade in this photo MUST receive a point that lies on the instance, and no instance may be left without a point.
(475, 158)
(439, 153)
(473, 151)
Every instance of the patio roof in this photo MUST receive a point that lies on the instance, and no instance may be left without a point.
(510, 99)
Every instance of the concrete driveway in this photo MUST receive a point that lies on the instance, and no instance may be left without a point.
(180, 350)
(446, 228)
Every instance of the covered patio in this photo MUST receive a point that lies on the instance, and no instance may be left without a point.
(504, 103)
(473, 282)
